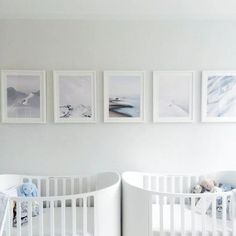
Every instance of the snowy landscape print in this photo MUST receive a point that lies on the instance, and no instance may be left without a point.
(124, 96)
(23, 96)
(221, 96)
(174, 95)
(75, 97)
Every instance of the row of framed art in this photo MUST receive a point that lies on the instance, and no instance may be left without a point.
(23, 96)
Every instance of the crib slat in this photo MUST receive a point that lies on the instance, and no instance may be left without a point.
(86, 184)
(95, 216)
(172, 225)
(56, 190)
(47, 187)
(72, 185)
(89, 190)
(172, 184)
(182, 216)
(64, 186)
(152, 198)
(164, 187)
(164, 184)
(41, 229)
(73, 217)
(80, 190)
(85, 217)
(161, 188)
(30, 218)
(214, 216)
(56, 187)
(193, 199)
(161, 202)
(80, 184)
(47, 191)
(52, 219)
(188, 185)
(18, 212)
(180, 184)
(9, 219)
(224, 213)
(188, 188)
(233, 212)
(203, 211)
(153, 186)
(63, 223)
(39, 186)
(157, 182)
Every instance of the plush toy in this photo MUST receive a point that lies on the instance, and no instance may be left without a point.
(28, 190)
(197, 189)
(216, 190)
(208, 184)
(225, 187)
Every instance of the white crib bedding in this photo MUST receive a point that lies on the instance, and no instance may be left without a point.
(57, 224)
(187, 223)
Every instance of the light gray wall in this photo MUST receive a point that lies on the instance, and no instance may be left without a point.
(117, 45)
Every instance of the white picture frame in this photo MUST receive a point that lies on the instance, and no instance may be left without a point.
(23, 96)
(173, 96)
(128, 89)
(218, 94)
(79, 89)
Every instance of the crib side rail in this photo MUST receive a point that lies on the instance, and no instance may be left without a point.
(205, 214)
(57, 209)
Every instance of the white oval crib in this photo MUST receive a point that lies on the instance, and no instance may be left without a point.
(71, 205)
(155, 204)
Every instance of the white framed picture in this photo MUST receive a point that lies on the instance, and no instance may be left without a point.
(219, 96)
(173, 96)
(124, 96)
(74, 96)
(23, 96)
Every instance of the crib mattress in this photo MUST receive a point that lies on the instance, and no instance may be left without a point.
(188, 222)
(57, 224)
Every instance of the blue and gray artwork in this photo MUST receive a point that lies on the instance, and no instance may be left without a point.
(23, 97)
(124, 96)
(221, 96)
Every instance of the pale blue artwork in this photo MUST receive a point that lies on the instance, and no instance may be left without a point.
(23, 96)
(75, 99)
(124, 96)
(174, 96)
(221, 96)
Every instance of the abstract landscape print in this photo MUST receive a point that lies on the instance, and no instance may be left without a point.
(124, 94)
(74, 96)
(173, 96)
(219, 97)
(23, 97)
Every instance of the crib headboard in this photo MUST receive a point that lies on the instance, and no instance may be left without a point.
(9, 181)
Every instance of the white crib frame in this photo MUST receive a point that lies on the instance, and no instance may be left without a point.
(105, 200)
(139, 198)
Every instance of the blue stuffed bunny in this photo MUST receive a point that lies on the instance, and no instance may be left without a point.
(28, 190)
